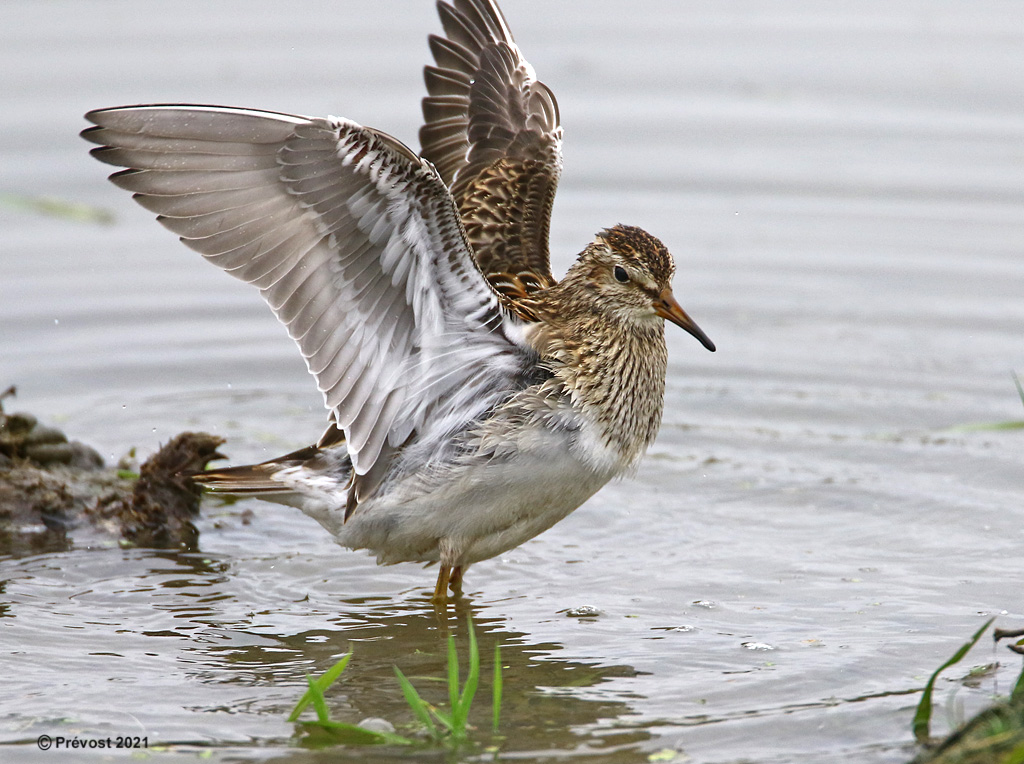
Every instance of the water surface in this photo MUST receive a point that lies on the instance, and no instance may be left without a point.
(843, 188)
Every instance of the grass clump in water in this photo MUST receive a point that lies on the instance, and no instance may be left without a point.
(447, 729)
(994, 736)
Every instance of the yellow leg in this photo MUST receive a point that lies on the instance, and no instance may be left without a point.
(455, 580)
(441, 589)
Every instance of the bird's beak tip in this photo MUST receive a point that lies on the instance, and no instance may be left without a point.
(667, 307)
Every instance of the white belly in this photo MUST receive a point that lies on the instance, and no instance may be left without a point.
(475, 512)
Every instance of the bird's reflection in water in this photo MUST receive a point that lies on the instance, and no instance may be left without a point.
(549, 703)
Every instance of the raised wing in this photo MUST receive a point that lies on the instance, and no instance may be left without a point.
(354, 243)
(492, 131)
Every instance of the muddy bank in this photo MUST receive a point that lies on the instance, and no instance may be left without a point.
(56, 492)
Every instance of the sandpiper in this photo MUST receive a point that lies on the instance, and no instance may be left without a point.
(474, 400)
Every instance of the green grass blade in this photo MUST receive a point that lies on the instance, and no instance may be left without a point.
(55, 207)
(460, 713)
(923, 716)
(1017, 696)
(981, 426)
(496, 689)
(453, 675)
(1016, 756)
(319, 704)
(1015, 424)
(416, 703)
(318, 686)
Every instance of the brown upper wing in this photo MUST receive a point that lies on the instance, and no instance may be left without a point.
(492, 131)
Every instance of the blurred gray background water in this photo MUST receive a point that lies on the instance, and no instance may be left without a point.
(843, 187)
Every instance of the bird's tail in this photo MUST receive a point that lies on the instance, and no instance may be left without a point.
(255, 479)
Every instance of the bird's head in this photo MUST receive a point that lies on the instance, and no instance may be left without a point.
(628, 273)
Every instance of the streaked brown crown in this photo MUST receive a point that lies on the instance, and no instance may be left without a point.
(640, 249)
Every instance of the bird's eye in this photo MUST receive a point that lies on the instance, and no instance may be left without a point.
(620, 274)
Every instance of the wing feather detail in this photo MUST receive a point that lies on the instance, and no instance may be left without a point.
(492, 131)
(355, 244)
